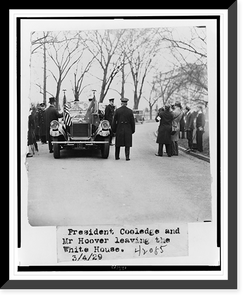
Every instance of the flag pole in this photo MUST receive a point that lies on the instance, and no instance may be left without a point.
(94, 97)
(64, 98)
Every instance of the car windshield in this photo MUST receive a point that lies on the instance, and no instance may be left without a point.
(78, 108)
(82, 109)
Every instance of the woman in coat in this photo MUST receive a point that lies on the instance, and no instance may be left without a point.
(177, 116)
(164, 131)
(31, 134)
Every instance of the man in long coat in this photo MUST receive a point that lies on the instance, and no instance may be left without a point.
(51, 114)
(124, 126)
(177, 116)
(164, 131)
(189, 126)
(200, 123)
(41, 122)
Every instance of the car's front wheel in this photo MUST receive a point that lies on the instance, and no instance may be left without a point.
(56, 149)
(105, 148)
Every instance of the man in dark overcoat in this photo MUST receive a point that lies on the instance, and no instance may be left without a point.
(41, 122)
(200, 123)
(164, 131)
(109, 115)
(189, 126)
(51, 114)
(124, 126)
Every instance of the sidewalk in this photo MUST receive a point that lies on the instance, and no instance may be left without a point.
(195, 154)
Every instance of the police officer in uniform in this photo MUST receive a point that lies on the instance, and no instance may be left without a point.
(51, 114)
(124, 126)
(108, 115)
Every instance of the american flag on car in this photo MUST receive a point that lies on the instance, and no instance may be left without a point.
(67, 116)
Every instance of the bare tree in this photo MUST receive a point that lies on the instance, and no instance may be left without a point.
(43, 91)
(169, 83)
(38, 42)
(64, 52)
(78, 81)
(195, 43)
(123, 76)
(153, 97)
(106, 47)
(142, 48)
(190, 56)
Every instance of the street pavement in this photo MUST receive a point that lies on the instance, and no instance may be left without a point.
(81, 188)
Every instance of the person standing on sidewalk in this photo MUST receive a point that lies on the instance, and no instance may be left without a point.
(200, 123)
(31, 134)
(124, 127)
(164, 131)
(177, 116)
(189, 126)
(41, 122)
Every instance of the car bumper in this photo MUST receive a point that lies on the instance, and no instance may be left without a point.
(80, 142)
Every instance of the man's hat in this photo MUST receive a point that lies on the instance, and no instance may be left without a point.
(52, 100)
(178, 104)
(112, 99)
(124, 100)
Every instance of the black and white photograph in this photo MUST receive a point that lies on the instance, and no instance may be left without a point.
(121, 126)
(118, 126)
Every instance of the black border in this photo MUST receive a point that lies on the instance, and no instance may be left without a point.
(232, 191)
(18, 85)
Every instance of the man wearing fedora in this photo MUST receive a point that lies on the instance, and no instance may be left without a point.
(124, 126)
(109, 115)
(189, 126)
(51, 114)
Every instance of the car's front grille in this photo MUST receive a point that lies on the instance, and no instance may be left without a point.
(80, 130)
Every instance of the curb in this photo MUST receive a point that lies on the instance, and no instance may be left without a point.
(195, 154)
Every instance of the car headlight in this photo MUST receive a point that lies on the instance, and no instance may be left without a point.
(105, 124)
(54, 125)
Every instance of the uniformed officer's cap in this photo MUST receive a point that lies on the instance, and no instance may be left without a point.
(112, 99)
(52, 100)
(124, 100)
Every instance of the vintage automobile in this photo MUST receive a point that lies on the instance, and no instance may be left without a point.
(80, 128)
(138, 116)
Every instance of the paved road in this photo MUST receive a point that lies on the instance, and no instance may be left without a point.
(81, 188)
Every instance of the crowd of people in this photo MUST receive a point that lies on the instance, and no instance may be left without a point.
(173, 121)
(39, 125)
(36, 128)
